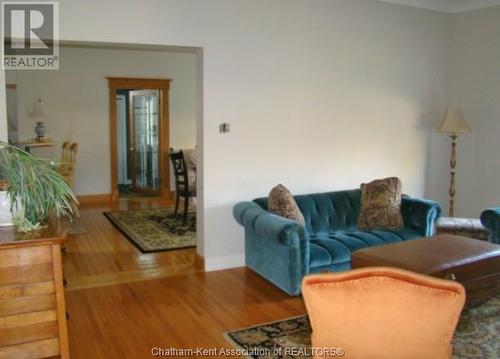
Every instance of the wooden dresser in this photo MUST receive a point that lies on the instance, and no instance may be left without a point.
(32, 310)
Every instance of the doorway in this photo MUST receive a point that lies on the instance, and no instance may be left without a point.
(80, 116)
(139, 132)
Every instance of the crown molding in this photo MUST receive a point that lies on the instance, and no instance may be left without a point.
(423, 4)
(447, 6)
(471, 5)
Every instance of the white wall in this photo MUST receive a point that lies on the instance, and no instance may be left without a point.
(3, 108)
(76, 102)
(475, 86)
(11, 103)
(321, 94)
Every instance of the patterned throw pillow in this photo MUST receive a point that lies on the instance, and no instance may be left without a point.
(381, 205)
(282, 203)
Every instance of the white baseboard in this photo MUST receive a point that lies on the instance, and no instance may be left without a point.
(224, 262)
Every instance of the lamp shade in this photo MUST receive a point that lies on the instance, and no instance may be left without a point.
(38, 113)
(454, 122)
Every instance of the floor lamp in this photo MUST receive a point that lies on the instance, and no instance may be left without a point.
(453, 124)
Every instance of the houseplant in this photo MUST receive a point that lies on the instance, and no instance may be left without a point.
(36, 190)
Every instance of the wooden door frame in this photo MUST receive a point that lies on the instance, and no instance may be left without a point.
(125, 83)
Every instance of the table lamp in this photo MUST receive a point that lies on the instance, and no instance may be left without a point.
(39, 116)
(453, 124)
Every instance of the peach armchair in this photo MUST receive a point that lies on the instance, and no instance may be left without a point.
(381, 312)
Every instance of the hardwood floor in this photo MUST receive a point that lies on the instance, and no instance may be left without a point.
(117, 311)
(104, 256)
(189, 311)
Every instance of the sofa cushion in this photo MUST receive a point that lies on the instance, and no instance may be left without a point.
(340, 245)
(397, 234)
(381, 205)
(371, 239)
(282, 203)
(319, 256)
(337, 250)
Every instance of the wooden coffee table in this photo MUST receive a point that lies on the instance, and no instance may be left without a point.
(474, 263)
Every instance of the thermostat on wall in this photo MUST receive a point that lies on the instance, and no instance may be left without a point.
(224, 127)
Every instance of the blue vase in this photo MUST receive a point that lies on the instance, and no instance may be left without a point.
(40, 129)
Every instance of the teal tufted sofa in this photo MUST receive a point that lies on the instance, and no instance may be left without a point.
(283, 252)
(490, 218)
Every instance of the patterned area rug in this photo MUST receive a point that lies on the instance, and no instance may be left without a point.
(155, 230)
(476, 336)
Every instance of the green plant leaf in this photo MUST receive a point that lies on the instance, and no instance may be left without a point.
(36, 190)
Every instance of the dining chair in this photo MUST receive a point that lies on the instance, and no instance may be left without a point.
(67, 166)
(64, 151)
(183, 186)
(382, 312)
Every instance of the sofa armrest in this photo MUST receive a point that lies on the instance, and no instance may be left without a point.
(420, 214)
(490, 218)
(264, 224)
(275, 247)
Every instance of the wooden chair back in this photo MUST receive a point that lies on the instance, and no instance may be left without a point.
(68, 161)
(68, 153)
(65, 151)
(180, 171)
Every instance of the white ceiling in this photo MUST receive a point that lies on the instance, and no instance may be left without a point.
(450, 6)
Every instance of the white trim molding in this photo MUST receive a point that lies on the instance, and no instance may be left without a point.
(224, 262)
(448, 6)
(471, 5)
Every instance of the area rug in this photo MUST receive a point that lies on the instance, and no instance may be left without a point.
(476, 336)
(155, 230)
